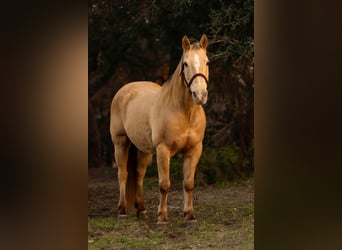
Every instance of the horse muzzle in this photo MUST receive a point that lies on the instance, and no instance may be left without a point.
(200, 97)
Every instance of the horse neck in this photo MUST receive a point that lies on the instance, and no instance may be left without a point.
(176, 94)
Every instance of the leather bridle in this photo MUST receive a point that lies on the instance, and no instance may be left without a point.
(188, 84)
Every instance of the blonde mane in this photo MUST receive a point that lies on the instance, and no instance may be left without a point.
(173, 90)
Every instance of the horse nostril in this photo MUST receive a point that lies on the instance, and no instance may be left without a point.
(205, 94)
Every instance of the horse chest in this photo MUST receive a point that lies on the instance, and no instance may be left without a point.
(181, 136)
(178, 140)
(179, 131)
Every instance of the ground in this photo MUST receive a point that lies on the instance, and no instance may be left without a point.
(225, 215)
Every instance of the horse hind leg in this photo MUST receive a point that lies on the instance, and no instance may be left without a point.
(143, 160)
(121, 145)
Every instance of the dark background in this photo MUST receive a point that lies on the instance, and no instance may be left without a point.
(297, 125)
(141, 40)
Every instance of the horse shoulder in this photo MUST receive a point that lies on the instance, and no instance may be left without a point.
(198, 121)
(196, 129)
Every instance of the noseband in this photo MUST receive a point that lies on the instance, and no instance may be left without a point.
(188, 84)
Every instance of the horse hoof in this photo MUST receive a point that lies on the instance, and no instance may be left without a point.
(162, 223)
(121, 217)
(142, 214)
(190, 222)
(162, 218)
(189, 217)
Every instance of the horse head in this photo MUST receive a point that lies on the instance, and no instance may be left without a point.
(195, 70)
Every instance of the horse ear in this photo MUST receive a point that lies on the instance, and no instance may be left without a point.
(185, 43)
(204, 41)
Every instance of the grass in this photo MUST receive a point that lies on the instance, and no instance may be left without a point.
(225, 217)
(219, 226)
(134, 235)
(101, 223)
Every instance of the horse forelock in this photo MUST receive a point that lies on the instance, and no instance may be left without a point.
(195, 46)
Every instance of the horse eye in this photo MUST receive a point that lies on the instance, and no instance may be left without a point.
(185, 64)
(208, 63)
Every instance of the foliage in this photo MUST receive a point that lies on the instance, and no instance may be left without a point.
(217, 165)
(116, 29)
(231, 27)
(139, 38)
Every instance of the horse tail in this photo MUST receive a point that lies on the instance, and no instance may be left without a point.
(131, 184)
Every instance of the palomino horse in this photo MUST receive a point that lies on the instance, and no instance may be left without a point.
(167, 119)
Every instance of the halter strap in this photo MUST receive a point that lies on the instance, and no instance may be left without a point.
(188, 84)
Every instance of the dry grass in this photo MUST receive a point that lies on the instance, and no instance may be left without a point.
(225, 218)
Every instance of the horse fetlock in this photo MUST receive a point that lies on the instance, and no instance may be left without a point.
(142, 214)
(162, 215)
(122, 211)
(189, 217)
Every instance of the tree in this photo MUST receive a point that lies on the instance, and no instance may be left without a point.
(135, 40)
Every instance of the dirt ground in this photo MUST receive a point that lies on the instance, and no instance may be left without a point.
(225, 215)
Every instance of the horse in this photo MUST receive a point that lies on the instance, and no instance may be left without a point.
(147, 118)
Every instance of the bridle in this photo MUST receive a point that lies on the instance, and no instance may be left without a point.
(188, 84)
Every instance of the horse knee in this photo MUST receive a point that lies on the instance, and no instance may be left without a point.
(122, 175)
(188, 186)
(164, 186)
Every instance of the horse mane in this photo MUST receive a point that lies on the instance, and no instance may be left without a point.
(171, 88)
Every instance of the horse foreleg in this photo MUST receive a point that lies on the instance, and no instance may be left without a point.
(189, 168)
(121, 157)
(143, 160)
(163, 162)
